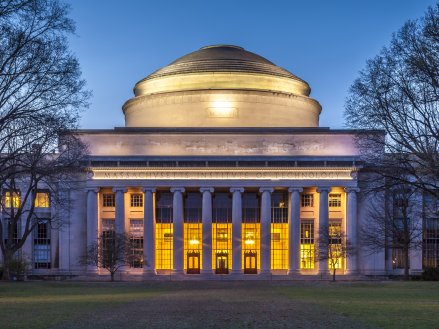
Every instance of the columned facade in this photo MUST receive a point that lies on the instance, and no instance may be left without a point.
(300, 228)
(148, 230)
(294, 230)
(178, 220)
(236, 229)
(352, 227)
(323, 227)
(207, 229)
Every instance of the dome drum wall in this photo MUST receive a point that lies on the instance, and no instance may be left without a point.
(221, 86)
(222, 108)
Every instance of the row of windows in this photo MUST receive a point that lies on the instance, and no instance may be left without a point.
(109, 200)
(334, 201)
(13, 199)
(307, 200)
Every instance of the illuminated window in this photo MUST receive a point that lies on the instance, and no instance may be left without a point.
(164, 249)
(109, 200)
(136, 240)
(307, 200)
(164, 240)
(335, 245)
(279, 231)
(42, 200)
(334, 200)
(136, 200)
(251, 238)
(11, 199)
(307, 244)
(41, 254)
(193, 245)
(222, 233)
(222, 247)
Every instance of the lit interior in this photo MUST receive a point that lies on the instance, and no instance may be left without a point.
(251, 238)
(164, 246)
(279, 246)
(193, 242)
(221, 242)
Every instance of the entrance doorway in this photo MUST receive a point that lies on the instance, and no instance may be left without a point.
(193, 262)
(222, 263)
(250, 262)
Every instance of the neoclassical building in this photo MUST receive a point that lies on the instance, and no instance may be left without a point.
(220, 171)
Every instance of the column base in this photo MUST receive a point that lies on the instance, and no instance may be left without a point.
(149, 272)
(264, 272)
(177, 272)
(207, 272)
(236, 272)
(293, 273)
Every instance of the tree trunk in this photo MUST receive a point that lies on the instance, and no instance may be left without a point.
(406, 263)
(112, 276)
(7, 259)
(333, 274)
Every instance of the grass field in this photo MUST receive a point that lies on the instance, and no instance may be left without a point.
(231, 304)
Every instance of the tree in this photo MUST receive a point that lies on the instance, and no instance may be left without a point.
(334, 247)
(396, 225)
(111, 252)
(398, 93)
(41, 95)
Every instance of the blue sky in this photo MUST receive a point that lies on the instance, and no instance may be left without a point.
(323, 42)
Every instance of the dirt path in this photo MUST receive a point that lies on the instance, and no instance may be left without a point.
(216, 305)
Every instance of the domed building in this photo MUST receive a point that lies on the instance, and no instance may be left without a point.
(221, 171)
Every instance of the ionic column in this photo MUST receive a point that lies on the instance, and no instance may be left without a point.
(266, 229)
(323, 226)
(178, 219)
(294, 231)
(120, 209)
(148, 230)
(236, 229)
(207, 228)
(92, 220)
(351, 227)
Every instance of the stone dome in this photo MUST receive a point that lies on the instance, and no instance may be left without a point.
(221, 86)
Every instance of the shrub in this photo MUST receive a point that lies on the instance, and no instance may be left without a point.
(430, 274)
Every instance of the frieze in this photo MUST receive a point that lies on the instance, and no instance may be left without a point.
(222, 174)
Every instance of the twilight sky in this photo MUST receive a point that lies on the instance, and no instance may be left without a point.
(326, 43)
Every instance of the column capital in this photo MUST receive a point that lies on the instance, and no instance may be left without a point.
(177, 189)
(92, 189)
(148, 189)
(352, 189)
(295, 189)
(321, 189)
(119, 189)
(207, 189)
(266, 189)
(236, 189)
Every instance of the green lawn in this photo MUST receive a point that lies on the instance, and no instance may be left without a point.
(219, 304)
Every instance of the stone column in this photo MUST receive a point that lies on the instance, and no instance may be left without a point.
(207, 229)
(294, 231)
(120, 209)
(236, 230)
(266, 229)
(323, 226)
(351, 227)
(178, 220)
(148, 230)
(92, 220)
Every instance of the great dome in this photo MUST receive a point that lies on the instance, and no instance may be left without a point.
(221, 86)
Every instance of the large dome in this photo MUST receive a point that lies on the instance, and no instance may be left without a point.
(221, 86)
